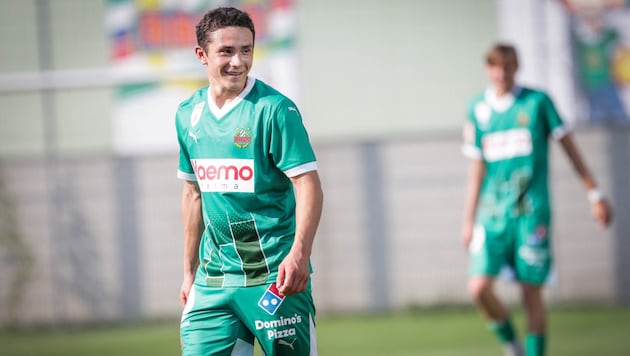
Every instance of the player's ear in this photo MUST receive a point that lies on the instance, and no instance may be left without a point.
(201, 55)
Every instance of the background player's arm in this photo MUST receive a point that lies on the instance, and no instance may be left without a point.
(193, 228)
(600, 209)
(293, 272)
(476, 173)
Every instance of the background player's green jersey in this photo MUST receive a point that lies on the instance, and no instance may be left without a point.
(511, 135)
(242, 156)
(594, 54)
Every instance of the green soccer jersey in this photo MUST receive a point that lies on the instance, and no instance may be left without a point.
(594, 52)
(511, 135)
(242, 157)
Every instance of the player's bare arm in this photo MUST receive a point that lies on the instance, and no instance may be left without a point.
(600, 208)
(193, 228)
(476, 172)
(293, 272)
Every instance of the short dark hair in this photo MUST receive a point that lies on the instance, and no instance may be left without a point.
(219, 18)
(501, 53)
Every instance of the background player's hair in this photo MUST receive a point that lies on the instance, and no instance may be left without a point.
(219, 18)
(501, 53)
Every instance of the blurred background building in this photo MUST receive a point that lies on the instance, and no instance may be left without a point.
(90, 224)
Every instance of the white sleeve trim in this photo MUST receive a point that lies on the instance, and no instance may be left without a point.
(301, 169)
(471, 151)
(559, 132)
(186, 176)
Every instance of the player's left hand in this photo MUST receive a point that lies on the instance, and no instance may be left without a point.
(293, 274)
(602, 212)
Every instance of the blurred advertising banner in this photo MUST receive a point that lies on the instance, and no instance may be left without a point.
(152, 49)
(577, 50)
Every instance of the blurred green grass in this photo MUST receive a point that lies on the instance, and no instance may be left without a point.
(452, 331)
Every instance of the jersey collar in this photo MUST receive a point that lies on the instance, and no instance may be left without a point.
(503, 103)
(220, 112)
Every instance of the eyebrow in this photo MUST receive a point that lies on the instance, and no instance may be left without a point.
(235, 47)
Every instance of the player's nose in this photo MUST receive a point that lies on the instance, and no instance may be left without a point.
(236, 60)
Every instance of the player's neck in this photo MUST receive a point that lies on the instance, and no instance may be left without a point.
(502, 92)
(224, 97)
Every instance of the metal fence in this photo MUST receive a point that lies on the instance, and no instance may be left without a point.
(98, 238)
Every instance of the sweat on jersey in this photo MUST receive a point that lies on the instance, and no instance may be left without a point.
(242, 157)
(511, 134)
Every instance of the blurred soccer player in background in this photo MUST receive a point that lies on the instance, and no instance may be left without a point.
(597, 47)
(251, 204)
(507, 212)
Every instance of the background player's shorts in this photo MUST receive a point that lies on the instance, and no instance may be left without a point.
(522, 243)
(225, 321)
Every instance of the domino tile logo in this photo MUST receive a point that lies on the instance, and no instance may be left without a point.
(271, 299)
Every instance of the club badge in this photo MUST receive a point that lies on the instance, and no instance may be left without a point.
(242, 138)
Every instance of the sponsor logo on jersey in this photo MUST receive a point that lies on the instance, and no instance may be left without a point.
(280, 328)
(508, 144)
(271, 299)
(538, 236)
(196, 114)
(194, 135)
(242, 137)
(533, 256)
(224, 175)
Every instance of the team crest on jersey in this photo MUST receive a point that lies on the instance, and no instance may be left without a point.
(196, 114)
(523, 119)
(482, 113)
(242, 137)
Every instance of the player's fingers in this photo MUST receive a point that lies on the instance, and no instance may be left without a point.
(466, 242)
(298, 284)
(609, 214)
(280, 278)
(287, 283)
(302, 287)
(605, 219)
(603, 215)
(301, 282)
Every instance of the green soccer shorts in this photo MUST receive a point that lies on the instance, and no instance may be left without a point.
(225, 321)
(523, 243)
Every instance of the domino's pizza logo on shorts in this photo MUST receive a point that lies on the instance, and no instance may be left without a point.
(271, 299)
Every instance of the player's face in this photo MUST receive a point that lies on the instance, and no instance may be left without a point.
(228, 58)
(502, 75)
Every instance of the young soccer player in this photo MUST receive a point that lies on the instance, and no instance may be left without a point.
(507, 214)
(251, 204)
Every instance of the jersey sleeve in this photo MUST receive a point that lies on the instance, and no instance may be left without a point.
(556, 127)
(471, 137)
(290, 147)
(184, 170)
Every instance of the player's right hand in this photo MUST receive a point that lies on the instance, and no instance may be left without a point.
(293, 274)
(602, 212)
(466, 234)
(185, 289)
